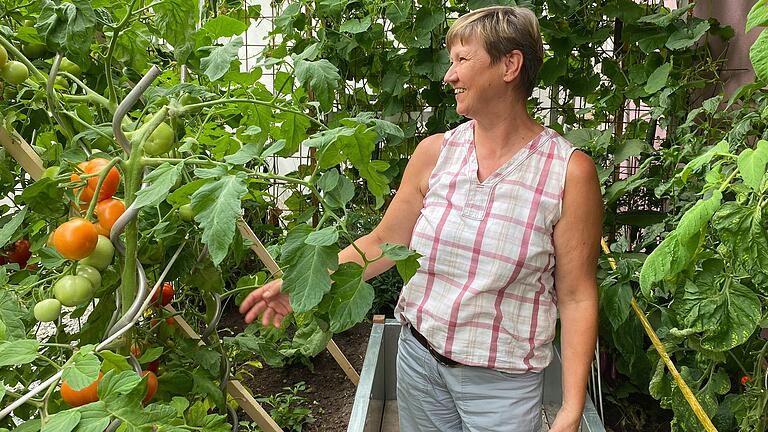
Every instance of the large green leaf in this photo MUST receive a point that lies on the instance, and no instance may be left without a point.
(686, 37)
(217, 206)
(743, 239)
(64, 421)
(670, 257)
(758, 15)
(664, 19)
(312, 337)
(658, 79)
(93, 418)
(306, 268)
(224, 26)
(703, 159)
(132, 46)
(293, 130)
(725, 311)
(83, 370)
(358, 149)
(9, 228)
(355, 25)
(11, 312)
(752, 163)
(176, 20)
(351, 297)
(18, 352)
(615, 300)
(758, 55)
(68, 27)
(220, 59)
(44, 197)
(698, 216)
(322, 77)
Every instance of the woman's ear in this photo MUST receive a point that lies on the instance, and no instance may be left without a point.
(513, 64)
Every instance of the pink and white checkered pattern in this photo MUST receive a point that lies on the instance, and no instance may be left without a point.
(485, 294)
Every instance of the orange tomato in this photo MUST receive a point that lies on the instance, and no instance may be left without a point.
(151, 385)
(75, 398)
(75, 239)
(87, 194)
(111, 181)
(107, 212)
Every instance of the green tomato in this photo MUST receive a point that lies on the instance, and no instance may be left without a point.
(34, 51)
(14, 72)
(91, 274)
(188, 99)
(73, 290)
(68, 66)
(186, 213)
(47, 310)
(3, 56)
(101, 257)
(160, 141)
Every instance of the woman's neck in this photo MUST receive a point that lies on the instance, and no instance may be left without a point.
(506, 132)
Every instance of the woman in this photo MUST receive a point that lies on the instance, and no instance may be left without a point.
(507, 218)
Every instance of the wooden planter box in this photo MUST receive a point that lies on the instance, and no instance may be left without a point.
(375, 407)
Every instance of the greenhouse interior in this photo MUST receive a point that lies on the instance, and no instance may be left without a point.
(384, 215)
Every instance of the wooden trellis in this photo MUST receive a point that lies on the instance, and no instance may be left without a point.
(25, 155)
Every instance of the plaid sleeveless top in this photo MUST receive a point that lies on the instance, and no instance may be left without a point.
(485, 292)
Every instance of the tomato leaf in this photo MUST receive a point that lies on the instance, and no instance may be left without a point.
(44, 197)
(293, 130)
(83, 369)
(406, 260)
(176, 20)
(752, 163)
(161, 180)
(698, 216)
(351, 297)
(114, 360)
(224, 26)
(669, 258)
(217, 206)
(93, 417)
(204, 385)
(11, 312)
(218, 62)
(358, 149)
(18, 352)
(306, 269)
(321, 76)
(132, 45)
(9, 228)
(68, 27)
(312, 336)
(63, 421)
(325, 237)
(743, 240)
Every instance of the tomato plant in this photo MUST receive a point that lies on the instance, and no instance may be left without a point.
(75, 239)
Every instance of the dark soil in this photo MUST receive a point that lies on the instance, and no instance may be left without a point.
(329, 393)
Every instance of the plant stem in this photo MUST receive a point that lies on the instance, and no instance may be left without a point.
(194, 107)
(110, 52)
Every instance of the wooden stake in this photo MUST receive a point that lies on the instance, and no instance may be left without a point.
(23, 153)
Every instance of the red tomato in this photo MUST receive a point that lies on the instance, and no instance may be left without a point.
(75, 239)
(151, 385)
(107, 212)
(75, 398)
(20, 253)
(154, 365)
(167, 294)
(745, 379)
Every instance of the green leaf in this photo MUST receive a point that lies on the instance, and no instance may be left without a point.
(63, 421)
(351, 297)
(176, 20)
(294, 131)
(115, 384)
(246, 154)
(44, 197)
(18, 352)
(132, 47)
(698, 216)
(659, 386)
(93, 417)
(9, 228)
(670, 257)
(615, 300)
(658, 79)
(665, 19)
(273, 148)
(306, 269)
(83, 369)
(325, 237)
(11, 312)
(758, 55)
(311, 338)
(752, 163)
(743, 240)
(217, 206)
(322, 77)
(686, 37)
(208, 358)
(724, 310)
(703, 159)
(220, 59)
(758, 15)
(339, 196)
(161, 180)
(114, 361)
(355, 25)
(224, 26)
(358, 149)
(68, 27)
(629, 148)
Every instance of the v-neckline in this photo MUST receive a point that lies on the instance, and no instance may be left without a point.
(518, 157)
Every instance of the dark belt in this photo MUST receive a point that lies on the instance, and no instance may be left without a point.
(443, 360)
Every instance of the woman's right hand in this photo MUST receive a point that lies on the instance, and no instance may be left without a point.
(267, 301)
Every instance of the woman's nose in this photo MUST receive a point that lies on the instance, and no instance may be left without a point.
(450, 75)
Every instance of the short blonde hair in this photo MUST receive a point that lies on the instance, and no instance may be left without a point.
(503, 29)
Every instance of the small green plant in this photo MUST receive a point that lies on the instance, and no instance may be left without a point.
(289, 409)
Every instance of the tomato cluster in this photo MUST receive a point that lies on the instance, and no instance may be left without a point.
(11, 71)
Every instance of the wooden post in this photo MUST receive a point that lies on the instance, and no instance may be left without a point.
(33, 165)
(272, 266)
(21, 151)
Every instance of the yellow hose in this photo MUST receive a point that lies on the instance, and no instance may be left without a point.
(687, 393)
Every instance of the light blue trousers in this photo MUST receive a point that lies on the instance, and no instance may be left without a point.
(432, 397)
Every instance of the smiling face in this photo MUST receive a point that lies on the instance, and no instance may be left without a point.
(479, 85)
